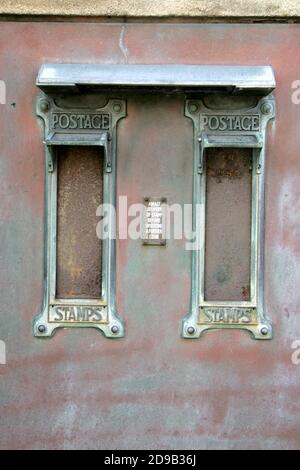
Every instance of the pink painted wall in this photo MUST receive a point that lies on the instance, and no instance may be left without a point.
(152, 389)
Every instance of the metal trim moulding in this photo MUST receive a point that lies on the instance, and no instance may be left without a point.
(241, 128)
(100, 314)
(180, 78)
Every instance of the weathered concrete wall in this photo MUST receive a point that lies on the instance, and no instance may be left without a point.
(154, 8)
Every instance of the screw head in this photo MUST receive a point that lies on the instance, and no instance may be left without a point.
(191, 330)
(44, 106)
(42, 329)
(117, 107)
(114, 329)
(264, 331)
(266, 108)
(193, 107)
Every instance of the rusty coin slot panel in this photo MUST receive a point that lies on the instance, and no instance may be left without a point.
(74, 127)
(229, 124)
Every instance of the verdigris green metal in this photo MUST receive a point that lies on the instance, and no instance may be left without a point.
(79, 126)
(224, 126)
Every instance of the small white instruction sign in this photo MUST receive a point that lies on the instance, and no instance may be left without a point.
(154, 221)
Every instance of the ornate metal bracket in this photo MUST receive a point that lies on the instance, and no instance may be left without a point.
(219, 127)
(73, 126)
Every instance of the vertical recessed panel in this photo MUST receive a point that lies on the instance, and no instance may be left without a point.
(228, 224)
(80, 181)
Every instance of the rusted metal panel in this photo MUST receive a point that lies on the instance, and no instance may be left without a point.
(152, 389)
(228, 224)
(80, 176)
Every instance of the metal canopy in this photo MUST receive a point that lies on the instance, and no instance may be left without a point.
(59, 77)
